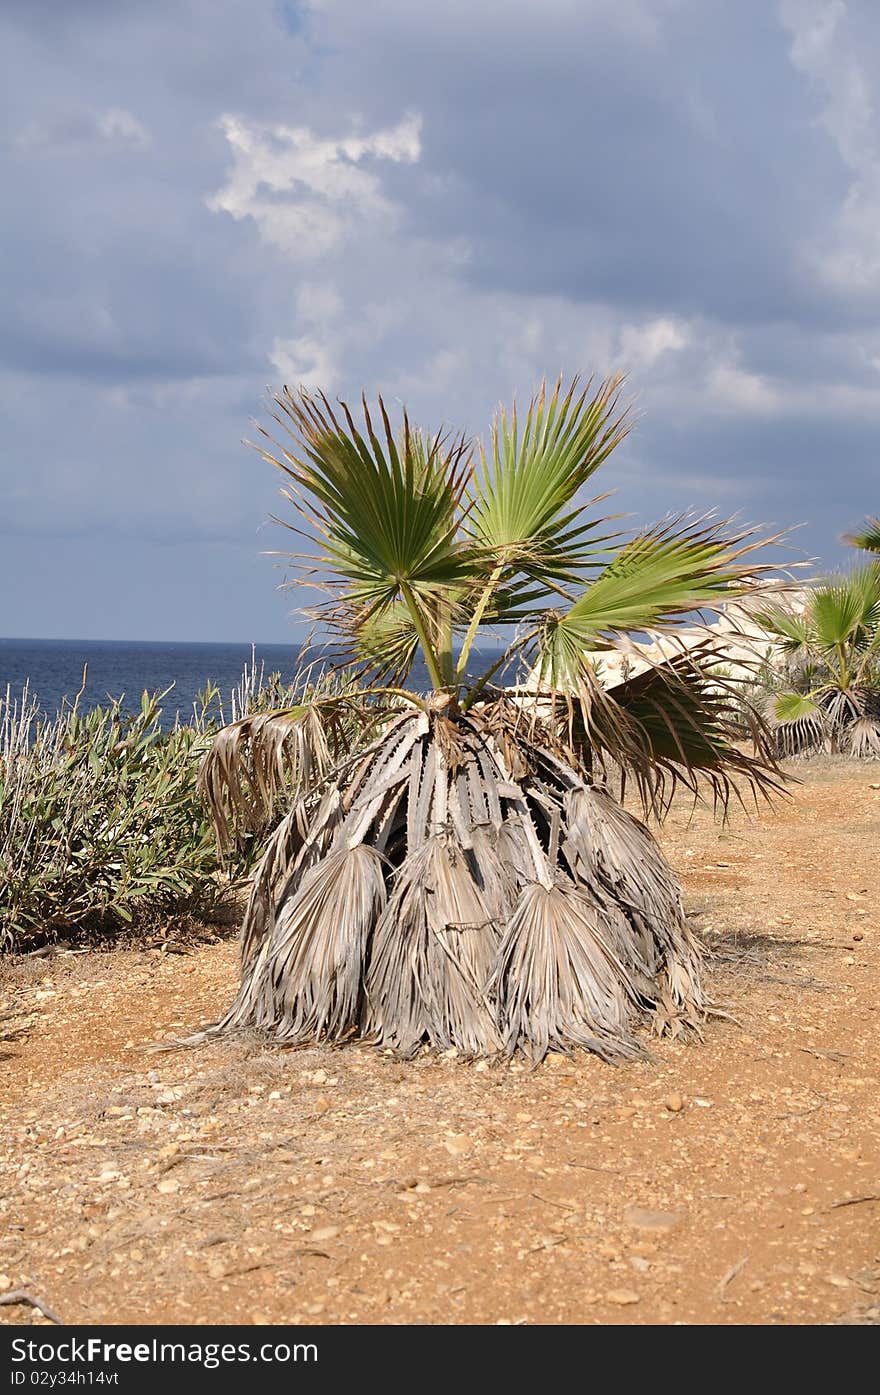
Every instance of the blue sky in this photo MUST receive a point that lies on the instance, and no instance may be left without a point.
(444, 202)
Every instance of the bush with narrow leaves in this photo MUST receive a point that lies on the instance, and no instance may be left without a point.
(101, 826)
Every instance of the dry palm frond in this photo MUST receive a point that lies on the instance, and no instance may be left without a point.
(433, 955)
(863, 738)
(305, 983)
(559, 983)
(251, 761)
(459, 884)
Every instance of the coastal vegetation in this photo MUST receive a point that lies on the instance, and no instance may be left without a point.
(102, 827)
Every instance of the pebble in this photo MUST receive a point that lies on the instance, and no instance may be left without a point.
(674, 1103)
(640, 1218)
(326, 1232)
(167, 1185)
(457, 1143)
(621, 1297)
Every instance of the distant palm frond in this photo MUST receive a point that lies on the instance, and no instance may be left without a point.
(868, 537)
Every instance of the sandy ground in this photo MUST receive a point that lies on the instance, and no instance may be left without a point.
(735, 1180)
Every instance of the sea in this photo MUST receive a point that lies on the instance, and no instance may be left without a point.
(125, 669)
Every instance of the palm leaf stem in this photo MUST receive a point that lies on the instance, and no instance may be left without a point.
(477, 619)
(477, 687)
(418, 619)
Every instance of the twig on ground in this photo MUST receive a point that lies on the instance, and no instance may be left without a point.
(729, 1277)
(19, 1295)
(854, 1200)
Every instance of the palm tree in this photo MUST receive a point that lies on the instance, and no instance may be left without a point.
(456, 873)
(829, 694)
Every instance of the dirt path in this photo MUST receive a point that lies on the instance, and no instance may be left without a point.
(734, 1181)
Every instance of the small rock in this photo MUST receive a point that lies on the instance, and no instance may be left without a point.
(326, 1232)
(858, 935)
(457, 1143)
(674, 1103)
(167, 1185)
(640, 1218)
(484, 1066)
(621, 1297)
(5, 1281)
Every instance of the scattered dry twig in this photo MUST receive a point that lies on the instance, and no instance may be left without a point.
(548, 1201)
(854, 1200)
(19, 1295)
(729, 1277)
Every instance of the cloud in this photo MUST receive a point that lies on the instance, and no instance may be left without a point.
(84, 130)
(643, 345)
(442, 202)
(304, 362)
(305, 193)
(825, 47)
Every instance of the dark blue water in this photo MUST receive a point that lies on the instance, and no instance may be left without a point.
(120, 668)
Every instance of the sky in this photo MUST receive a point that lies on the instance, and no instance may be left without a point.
(204, 199)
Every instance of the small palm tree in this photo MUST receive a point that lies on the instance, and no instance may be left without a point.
(452, 870)
(828, 697)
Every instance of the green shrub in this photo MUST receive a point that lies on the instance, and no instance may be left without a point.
(100, 822)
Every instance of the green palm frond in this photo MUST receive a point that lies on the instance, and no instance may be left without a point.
(385, 642)
(792, 631)
(524, 509)
(383, 514)
(657, 578)
(837, 611)
(801, 723)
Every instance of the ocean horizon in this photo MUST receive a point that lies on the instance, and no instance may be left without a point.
(52, 671)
